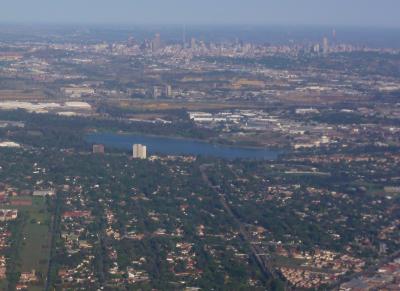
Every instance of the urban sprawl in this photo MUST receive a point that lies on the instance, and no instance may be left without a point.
(75, 215)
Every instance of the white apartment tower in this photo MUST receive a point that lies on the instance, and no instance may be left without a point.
(139, 151)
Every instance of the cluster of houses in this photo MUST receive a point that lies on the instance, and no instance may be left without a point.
(320, 268)
(387, 277)
(185, 257)
(134, 273)
(8, 214)
(78, 242)
(5, 235)
(3, 267)
(302, 278)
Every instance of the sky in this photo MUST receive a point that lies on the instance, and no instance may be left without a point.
(360, 13)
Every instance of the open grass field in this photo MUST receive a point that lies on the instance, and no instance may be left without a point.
(316, 98)
(35, 250)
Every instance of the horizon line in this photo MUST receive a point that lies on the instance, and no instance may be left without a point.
(199, 24)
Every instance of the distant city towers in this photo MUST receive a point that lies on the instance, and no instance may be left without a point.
(325, 45)
(193, 43)
(156, 92)
(316, 48)
(156, 43)
(165, 91)
(139, 151)
(168, 91)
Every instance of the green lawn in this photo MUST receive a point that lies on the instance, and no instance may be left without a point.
(35, 250)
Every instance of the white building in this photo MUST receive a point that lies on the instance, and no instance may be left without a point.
(8, 214)
(139, 151)
(43, 193)
(168, 91)
(77, 92)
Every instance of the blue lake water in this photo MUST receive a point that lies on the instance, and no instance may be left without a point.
(176, 146)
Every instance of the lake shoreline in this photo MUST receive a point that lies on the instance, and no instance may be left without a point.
(181, 146)
(178, 137)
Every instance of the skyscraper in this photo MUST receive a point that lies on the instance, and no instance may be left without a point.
(139, 151)
(325, 45)
(156, 92)
(168, 91)
(316, 48)
(193, 43)
(156, 43)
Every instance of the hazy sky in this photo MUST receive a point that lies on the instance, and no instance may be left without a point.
(299, 12)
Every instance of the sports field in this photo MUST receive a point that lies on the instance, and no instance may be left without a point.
(35, 247)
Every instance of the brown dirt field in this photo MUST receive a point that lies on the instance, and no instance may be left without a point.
(19, 95)
(163, 105)
(318, 99)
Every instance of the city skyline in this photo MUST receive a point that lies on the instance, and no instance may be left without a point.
(363, 13)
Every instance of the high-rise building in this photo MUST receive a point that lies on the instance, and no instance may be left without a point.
(157, 92)
(139, 151)
(316, 48)
(156, 43)
(168, 91)
(98, 149)
(325, 45)
(131, 41)
(193, 43)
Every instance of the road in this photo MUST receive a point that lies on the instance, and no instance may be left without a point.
(55, 224)
(265, 266)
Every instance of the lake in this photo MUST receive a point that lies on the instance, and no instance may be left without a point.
(177, 146)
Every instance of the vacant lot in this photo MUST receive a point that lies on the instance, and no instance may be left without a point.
(160, 105)
(22, 95)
